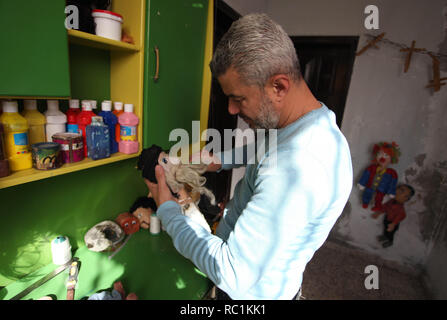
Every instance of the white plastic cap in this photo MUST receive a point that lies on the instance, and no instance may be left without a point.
(118, 105)
(128, 107)
(74, 104)
(30, 104)
(86, 105)
(106, 105)
(53, 104)
(93, 104)
(10, 106)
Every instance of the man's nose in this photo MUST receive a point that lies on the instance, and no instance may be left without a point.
(232, 108)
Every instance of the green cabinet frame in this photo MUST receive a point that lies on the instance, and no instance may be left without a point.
(34, 55)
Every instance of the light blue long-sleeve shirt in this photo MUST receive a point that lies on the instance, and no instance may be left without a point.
(279, 215)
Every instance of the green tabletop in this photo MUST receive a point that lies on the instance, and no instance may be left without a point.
(147, 265)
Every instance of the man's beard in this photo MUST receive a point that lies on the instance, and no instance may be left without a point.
(267, 118)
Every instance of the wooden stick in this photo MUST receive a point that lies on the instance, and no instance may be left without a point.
(410, 54)
(371, 44)
(436, 82)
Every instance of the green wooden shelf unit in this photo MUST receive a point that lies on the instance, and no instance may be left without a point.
(40, 59)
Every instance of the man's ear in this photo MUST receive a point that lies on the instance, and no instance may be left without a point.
(278, 87)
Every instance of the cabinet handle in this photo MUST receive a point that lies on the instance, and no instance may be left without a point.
(157, 66)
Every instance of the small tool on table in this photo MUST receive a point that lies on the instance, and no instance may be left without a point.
(41, 281)
(72, 279)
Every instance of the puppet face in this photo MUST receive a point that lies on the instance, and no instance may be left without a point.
(128, 223)
(144, 216)
(383, 158)
(167, 162)
(403, 194)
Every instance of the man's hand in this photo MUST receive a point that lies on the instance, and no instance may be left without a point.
(208, 158)
(160, 190)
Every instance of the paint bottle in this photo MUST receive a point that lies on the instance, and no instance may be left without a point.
(72, 114)
(110, 120)
(83, 119)
(98, 139)
(117, 111)
(56, 119)
(128, 131)
(16, 137)
(36, 122)
(4, 165)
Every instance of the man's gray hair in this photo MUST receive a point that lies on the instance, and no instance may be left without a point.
(257, 48)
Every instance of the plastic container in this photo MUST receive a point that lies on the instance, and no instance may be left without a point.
(16, 137)
(154, 225)
(56, 119)
(98, 139)
(61, 250)
(46, 155)
(4, 165)
(72, 114)
(110, 120)
(108, 24)
(128, 138)
(118, 109)
(36, 122)
(84, 119)
(72, 146)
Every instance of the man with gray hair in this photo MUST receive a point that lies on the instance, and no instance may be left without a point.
(279, 215)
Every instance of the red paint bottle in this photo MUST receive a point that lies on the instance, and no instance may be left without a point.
(83, 119)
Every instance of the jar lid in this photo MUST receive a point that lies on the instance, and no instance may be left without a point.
(30, 104)
(86, 105)
(106, 105)
(107, 12)
(53, 104)
(67, 136)
(74, 103)
(128, 107)
(118, 105)
(10, 106)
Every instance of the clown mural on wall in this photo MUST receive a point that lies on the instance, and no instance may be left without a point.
(378, 180)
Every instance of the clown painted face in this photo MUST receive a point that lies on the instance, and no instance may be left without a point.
(383, 158)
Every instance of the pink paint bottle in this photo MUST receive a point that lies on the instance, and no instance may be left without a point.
(128, 131)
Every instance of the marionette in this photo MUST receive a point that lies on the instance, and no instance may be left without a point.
(378, 179)
(142, 209)
(184, 180)
(394, 214)
(129, 223)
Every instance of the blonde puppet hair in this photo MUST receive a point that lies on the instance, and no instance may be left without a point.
(178, 175)
(190, 177)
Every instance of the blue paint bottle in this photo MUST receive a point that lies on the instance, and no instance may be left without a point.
(98, 139)
(110, 120)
